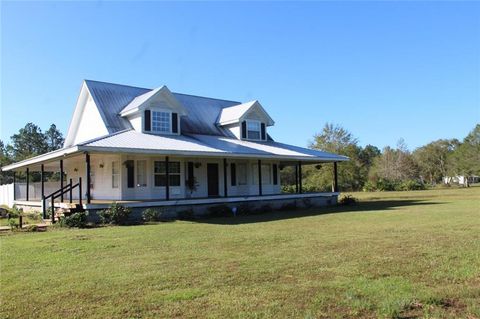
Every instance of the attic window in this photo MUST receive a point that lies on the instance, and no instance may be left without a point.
(161, 122)
(253, 130)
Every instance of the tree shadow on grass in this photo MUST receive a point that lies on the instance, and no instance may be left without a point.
(362, 207)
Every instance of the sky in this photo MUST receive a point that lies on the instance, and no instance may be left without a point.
(382, 70)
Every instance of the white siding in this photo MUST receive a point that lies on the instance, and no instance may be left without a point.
(235, 130)
(137, 122)
(91, 124)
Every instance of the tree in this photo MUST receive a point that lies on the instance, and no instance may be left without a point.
(433, 159)
(336, 139)
(465, 159)
(28, 142)
(54, 138)
(5, 177)
(395, 164)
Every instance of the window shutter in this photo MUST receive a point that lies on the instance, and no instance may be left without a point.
(244, 129)
(147, 121)
(174, 123)
(275, 174)
(263, 131)
(233, 174)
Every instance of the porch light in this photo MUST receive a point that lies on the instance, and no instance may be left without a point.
(198, 164)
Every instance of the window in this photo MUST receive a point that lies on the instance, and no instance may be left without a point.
(253, 130)
(242, 174)
(160, 121)
(141, 173)
(115, 174)
(266, 174)
(233, 174)
(160, 175)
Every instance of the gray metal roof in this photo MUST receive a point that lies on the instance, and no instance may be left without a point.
(202, 111)
(209, 145)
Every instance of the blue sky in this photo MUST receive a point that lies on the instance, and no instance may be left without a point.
(382, 70)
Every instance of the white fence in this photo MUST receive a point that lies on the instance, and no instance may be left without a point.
(6, 195)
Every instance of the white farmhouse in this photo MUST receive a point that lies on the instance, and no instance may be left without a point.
(145, 147)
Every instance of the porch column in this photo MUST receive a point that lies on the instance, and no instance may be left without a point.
(14, 180)
(28, 182)
(225, 187)
(296, 178)
(42, 183)
(87, 163)
(167, 182)
(335, 177)
(42, 179)
(300, 177)
(61, 180)
(260, 177)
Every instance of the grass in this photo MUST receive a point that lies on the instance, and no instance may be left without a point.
(398, 254)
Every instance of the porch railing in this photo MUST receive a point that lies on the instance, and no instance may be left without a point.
(58, 193)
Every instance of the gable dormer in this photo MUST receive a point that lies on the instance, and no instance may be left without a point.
(247, 121)
(156, 112)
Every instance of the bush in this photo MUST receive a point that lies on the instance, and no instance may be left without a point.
(289, 189)
(116, 214)
(220, 211)
(153, 215)
(75, 220)
(13, 224)
(382, 185)
(411, 185)
(348, 200)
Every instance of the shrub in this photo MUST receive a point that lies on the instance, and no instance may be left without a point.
(186, 214)
(116, 214)
(219, 211)
(411, 185)
(153, 215)
(348, 200)
(75, 220)
(289, 189)
(13, 223)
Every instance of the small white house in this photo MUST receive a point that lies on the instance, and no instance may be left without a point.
(147, 147)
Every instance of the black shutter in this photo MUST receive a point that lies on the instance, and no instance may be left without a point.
(174, 123)
(244, 129)
(130, 174)
(190, 172)
(263, 131)
(233, 174)
(275, 174)
(147, 121)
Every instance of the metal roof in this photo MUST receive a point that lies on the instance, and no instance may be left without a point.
(208, 145)
(233, 113)
(111, 99)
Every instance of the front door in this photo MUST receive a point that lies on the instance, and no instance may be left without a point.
(212, 179)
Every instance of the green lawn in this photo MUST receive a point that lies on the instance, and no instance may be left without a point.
(403, 254)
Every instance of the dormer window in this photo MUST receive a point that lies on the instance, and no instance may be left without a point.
(253, 130)
(161, 122)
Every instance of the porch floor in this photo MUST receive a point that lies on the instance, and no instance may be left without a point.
(104, 203)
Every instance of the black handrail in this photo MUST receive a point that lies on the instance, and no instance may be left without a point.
(58, 193)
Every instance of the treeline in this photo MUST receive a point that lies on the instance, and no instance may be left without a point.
(28, 142)
(393, 168)
(369, 167)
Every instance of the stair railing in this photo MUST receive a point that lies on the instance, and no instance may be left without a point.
(66, 189)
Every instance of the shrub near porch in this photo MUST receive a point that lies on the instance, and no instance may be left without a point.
(393, 254)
